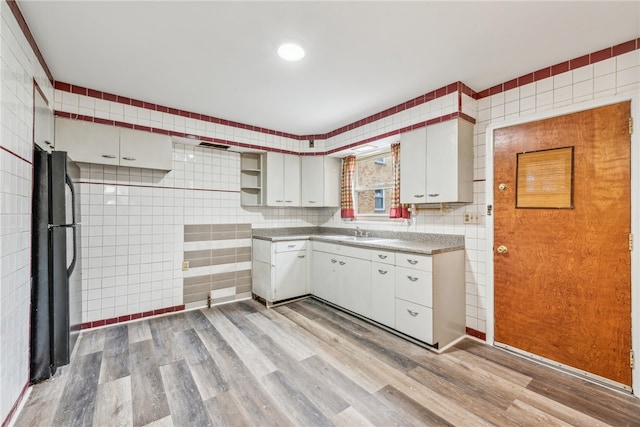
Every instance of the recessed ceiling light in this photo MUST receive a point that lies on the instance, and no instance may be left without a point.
(291, 52)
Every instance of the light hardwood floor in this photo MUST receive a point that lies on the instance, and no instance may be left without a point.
(304, 364)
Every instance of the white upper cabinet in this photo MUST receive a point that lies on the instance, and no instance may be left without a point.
(282, 179)
(436, 163)
(413, 173)
(88, 142)
(43, 123)
(320, 181)
(145, 150)
(109, 145)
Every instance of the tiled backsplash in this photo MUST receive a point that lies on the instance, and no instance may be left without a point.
(219, 257)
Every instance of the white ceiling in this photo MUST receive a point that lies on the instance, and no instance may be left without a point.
(219, 58)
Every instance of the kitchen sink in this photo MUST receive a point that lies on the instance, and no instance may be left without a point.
(352, 238)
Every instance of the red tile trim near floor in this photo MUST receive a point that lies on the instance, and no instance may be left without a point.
(128, 317)
(562, 67)
(14, 408)
(477, 334)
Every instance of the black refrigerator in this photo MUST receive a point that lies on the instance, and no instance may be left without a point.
(56, 283)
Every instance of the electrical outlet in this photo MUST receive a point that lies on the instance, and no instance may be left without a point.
(472, 218)
(185, 265)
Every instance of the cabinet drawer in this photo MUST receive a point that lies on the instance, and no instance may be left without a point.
(338, 249)
(386, 257)
(414, 285)
(414, 320)
(291, 245)
(421, 262)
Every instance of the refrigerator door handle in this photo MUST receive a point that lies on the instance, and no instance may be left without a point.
(72, 225)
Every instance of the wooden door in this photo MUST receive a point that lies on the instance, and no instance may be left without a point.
(563, 288)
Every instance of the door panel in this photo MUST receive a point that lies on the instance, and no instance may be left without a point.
(563, 288)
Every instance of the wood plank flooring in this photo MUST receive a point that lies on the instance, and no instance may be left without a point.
(304, 364)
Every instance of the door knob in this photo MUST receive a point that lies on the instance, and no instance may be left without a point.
(502, 249)
(502, 187)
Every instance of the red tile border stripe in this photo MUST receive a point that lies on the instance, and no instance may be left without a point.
(477, 334)
(14, 154)
(17, 14)
(129, 317)
(562, 67)
(14, 408)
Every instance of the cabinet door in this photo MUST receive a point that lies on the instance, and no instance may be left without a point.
(140, 149)
(355, 285)
(88, 142)
(312, 181)
(413, 157)
(450, 162)
(331, 191)
(291, 181)
(291, 273)
(42, 123)
(383, 309)
(275, 179)
(324, 283)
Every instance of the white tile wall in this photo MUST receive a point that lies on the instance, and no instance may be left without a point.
(19, 68)
(132, 226)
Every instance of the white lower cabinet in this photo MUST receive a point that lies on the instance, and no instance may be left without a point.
(354, 277)
(383, 293)
(414, 320)
(324, 270)
(279, 269)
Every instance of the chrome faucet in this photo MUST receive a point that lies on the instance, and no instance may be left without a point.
(360, 233)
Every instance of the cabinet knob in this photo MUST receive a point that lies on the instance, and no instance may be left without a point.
(382, 271)
(412, 313)
(129, 158)
(412, 261)
(108, 156)
(434, 194)
(382, 256)
(418, 195)
(412, 278)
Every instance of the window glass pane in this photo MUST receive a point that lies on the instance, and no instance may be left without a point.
(373, 201)
(375, 171)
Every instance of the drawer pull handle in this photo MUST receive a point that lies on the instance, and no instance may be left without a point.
(288, 201)
(108, 156)
(129, 158)
(412, 313)
(412, 278)
(291, 246)
(434, 194)
(301, 256)
(279, 201)
(312, 201)
(382, 256)
(382, 271)
(412, 261)
(333, 261)
(342, 263)
(418, 195)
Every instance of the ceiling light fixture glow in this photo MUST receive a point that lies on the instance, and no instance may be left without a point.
(291, 52)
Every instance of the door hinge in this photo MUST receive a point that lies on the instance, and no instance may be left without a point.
(630, 241)
(632, 361)
(630, 125)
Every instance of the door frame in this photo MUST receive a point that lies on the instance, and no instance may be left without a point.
(635, 213)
